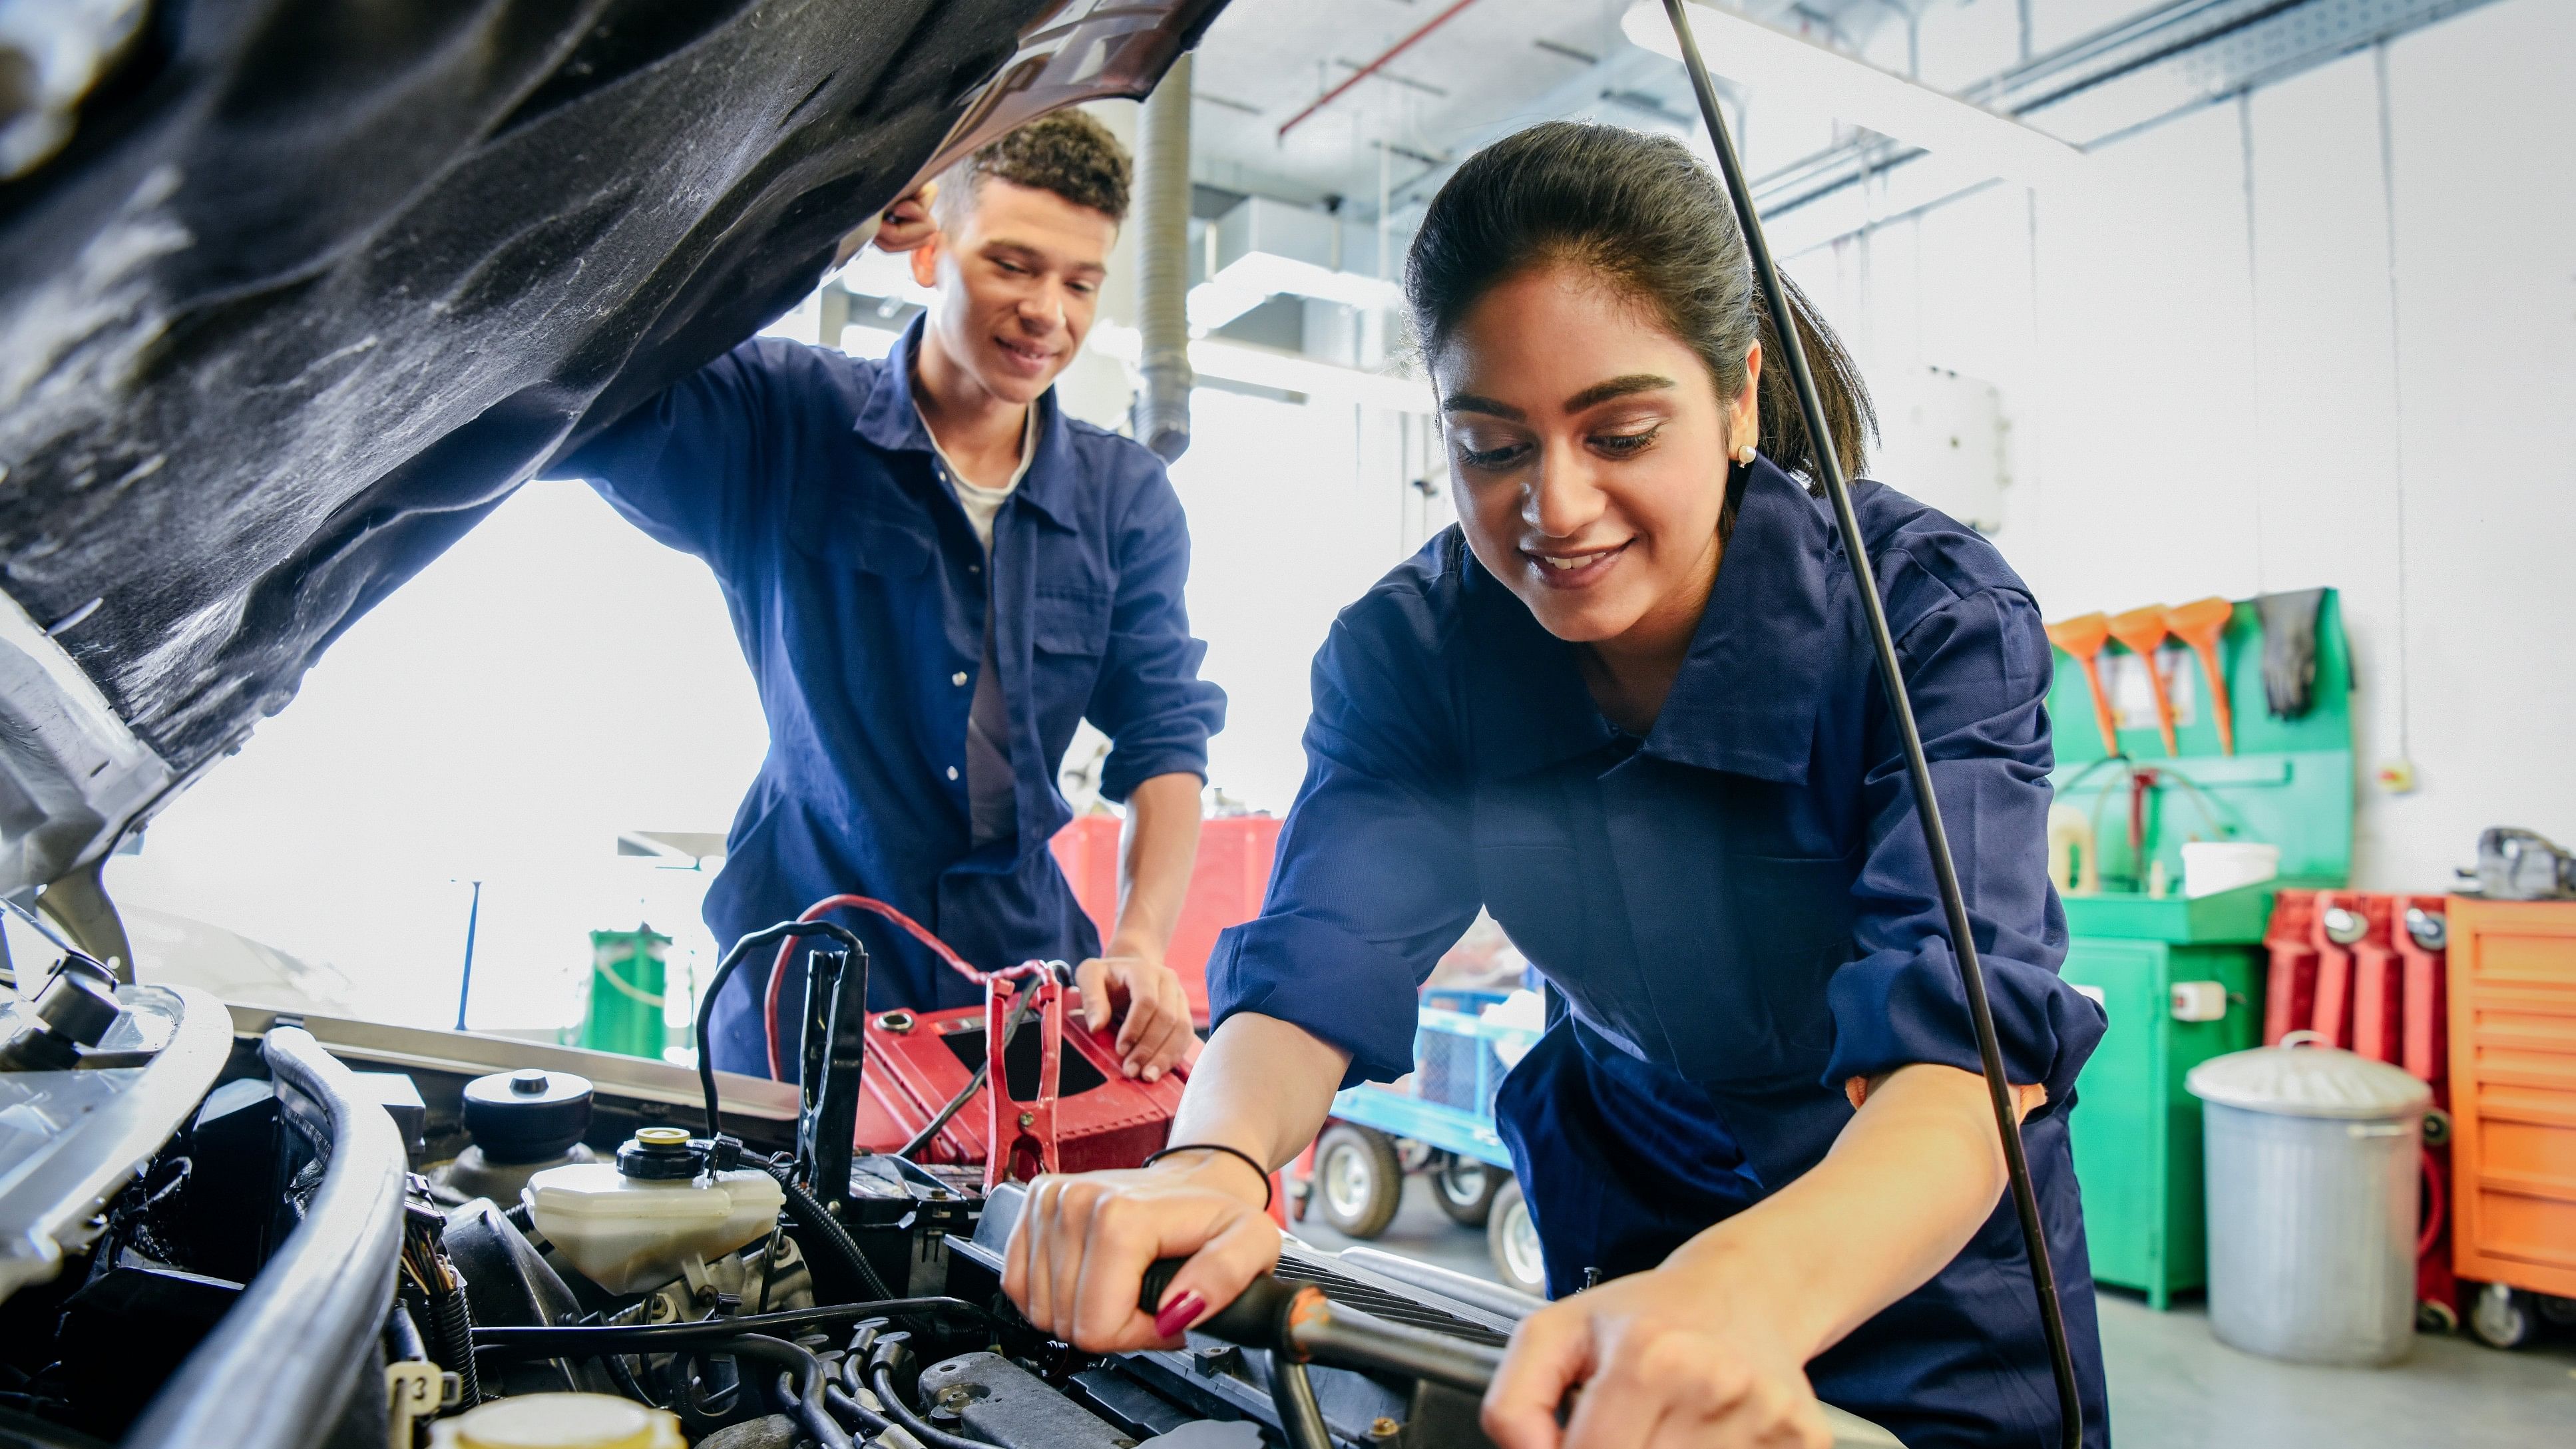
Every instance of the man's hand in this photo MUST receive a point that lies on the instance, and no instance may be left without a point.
(1146, 997)
(906, 225)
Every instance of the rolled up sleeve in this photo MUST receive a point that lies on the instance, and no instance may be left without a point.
(1978, 671)
(1150, 700)
(1374, 877)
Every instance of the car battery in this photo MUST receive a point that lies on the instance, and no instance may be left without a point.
(1090, 1117)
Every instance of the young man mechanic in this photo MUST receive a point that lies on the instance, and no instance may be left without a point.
(935, 575)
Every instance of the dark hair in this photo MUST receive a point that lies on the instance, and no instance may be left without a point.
(1656, 225)
(1064, 152)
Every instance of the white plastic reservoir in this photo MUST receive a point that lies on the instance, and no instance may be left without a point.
(627, 1234)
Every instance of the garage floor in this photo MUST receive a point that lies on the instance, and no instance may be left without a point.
(2173, 1386)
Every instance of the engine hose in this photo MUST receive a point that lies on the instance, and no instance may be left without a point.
(881, 1378)
(451, 1324)
(807, 1404)
(841, 1400)
(810, 1214)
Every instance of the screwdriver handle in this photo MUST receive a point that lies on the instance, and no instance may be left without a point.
(1260, 1318)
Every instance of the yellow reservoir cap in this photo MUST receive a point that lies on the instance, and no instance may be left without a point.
(559, 1421)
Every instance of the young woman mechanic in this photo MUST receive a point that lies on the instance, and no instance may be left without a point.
(1628, 706)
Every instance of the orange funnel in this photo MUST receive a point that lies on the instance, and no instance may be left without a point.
(2199, 624)
(2143, 632)
(2082, 638)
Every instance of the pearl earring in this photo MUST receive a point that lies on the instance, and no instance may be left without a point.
(1744, 455)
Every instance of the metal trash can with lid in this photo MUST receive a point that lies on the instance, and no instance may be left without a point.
(2314, 1156)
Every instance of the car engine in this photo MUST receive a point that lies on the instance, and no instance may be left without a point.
(224, 1226)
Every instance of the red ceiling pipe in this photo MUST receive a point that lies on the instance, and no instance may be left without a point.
(1364, 72)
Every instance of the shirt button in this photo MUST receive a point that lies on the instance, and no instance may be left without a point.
(974, 568)
(958, 679)
(952, 772)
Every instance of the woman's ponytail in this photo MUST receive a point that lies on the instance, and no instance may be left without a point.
(1653, 222)
(1849, 412)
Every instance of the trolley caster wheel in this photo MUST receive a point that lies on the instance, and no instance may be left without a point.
(2558, 1312)
(1465, 1188)
(2502, 1317)
(1512, 1240)
(1358, 1182)
(2436, 1317)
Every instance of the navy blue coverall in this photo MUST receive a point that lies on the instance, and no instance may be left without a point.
(1735, 914)
(806, 480)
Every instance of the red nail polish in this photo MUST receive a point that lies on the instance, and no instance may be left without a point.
(1178, 1314)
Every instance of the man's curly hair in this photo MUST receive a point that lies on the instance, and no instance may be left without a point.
(1064, 152)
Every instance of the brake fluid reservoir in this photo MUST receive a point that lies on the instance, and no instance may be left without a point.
(632, 1226)
(559, 1421)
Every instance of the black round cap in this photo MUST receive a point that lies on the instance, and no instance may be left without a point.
(661, 1154)
(527, 1116)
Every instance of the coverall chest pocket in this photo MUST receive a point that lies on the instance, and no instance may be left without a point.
(1068, 634)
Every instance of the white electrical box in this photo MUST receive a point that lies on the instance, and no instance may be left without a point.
(1941, 439)
(2200, 1001)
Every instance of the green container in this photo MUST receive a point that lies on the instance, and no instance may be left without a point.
(2136, 1132)
(625, 1013)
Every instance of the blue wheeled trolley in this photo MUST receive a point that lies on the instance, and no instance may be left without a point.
(1439, 1121)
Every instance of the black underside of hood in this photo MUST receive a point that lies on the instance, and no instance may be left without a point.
(316, 283)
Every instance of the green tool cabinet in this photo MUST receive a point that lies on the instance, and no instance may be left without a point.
(2136, 1132)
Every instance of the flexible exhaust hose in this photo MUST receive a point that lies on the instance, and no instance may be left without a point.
(1162, 409)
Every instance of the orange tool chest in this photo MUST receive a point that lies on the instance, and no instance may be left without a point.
(2513, 1092)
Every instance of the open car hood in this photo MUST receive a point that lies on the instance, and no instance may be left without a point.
(294, 292)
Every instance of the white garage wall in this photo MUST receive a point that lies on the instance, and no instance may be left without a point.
(2201, 406)
(1294, 512)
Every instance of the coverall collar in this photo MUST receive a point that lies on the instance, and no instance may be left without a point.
(1747, 695)
(890, 420)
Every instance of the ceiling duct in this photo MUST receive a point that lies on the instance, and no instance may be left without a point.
(1264, 247)
(1162, 408)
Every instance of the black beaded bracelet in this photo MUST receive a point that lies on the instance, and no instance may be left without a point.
(1248, 1160)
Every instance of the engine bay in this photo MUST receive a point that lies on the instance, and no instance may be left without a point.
(226, 1226)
